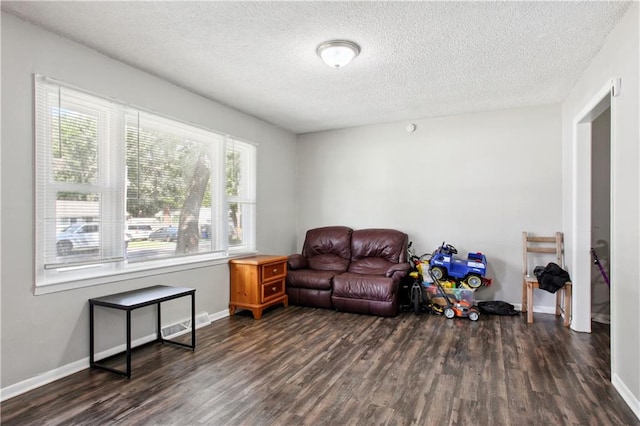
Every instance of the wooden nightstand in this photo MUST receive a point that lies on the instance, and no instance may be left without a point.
(257, 282)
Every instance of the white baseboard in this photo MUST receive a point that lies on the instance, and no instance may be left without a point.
(82, 364)
(627, 395)
(66, 370)
(537, 309)
(601, 318)
(219, 315)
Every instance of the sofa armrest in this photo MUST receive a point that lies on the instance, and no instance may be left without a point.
(400, 270)
(297, 261)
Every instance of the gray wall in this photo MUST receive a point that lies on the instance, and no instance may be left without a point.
(41, 334)
(476, 181)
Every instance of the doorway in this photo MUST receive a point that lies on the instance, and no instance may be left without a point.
(591, 214)
(583, 180)
(601, 216)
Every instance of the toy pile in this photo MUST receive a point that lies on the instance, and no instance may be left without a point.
(444, 284)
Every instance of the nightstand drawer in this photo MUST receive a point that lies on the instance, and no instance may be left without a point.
(273, 270)
(272, 289)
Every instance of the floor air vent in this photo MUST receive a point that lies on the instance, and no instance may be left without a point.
(185, 326)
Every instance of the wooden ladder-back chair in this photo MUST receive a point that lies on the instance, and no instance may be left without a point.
(553, 245)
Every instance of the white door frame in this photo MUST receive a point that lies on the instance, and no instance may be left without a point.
(580, 259)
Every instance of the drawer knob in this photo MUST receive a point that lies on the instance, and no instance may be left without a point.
(275, 270)
(273, 289)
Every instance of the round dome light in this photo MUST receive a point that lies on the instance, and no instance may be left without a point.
(338, 53)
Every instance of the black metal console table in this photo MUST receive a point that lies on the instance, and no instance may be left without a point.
(130, 300)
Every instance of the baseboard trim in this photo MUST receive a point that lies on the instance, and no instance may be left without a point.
(537, 309)
(627, 395)
(218, 315)
(82, 364)
(601, 318)
(64, 371)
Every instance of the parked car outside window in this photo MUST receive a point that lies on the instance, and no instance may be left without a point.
(79, 236)
(139, 232)
(164, 234)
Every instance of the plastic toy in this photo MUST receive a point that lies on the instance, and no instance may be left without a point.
(462, 309)
(443, 264)
(452, 306)
(417, 299)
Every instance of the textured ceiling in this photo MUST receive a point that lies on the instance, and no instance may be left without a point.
(418, 59)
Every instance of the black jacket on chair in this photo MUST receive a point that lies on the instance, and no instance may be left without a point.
(551, 277)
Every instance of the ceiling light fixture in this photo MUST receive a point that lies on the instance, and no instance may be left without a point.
(338, 53)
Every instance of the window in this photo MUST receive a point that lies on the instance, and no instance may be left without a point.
(241, 193)
(119, 189)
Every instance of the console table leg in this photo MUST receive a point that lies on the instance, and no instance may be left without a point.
(193, 321)
(128, 344)
(91, 336)
(159, 325)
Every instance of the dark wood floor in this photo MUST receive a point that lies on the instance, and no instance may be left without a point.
(315, 367)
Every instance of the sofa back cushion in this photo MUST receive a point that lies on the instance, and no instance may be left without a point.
(328, 248)
(373, 251)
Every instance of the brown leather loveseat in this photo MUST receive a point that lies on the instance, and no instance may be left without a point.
(354, 271)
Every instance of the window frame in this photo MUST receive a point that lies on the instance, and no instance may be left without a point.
(59, 277)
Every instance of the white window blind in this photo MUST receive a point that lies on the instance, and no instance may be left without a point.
(241, 193)
(119, 189)
(172, 185)
(78, 177)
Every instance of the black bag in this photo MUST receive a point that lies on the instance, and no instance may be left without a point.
(551, 277)
(497, 307)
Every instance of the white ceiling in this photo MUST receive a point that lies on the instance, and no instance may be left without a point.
(418, 59)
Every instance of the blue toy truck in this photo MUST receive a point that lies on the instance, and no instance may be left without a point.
(470, 270)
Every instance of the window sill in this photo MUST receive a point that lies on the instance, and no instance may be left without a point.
(141, 271)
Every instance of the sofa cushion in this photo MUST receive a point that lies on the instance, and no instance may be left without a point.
(308, 278)
(328, 248)
(328, 262)
(369, 287)
(373, 251)
(371, 265)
